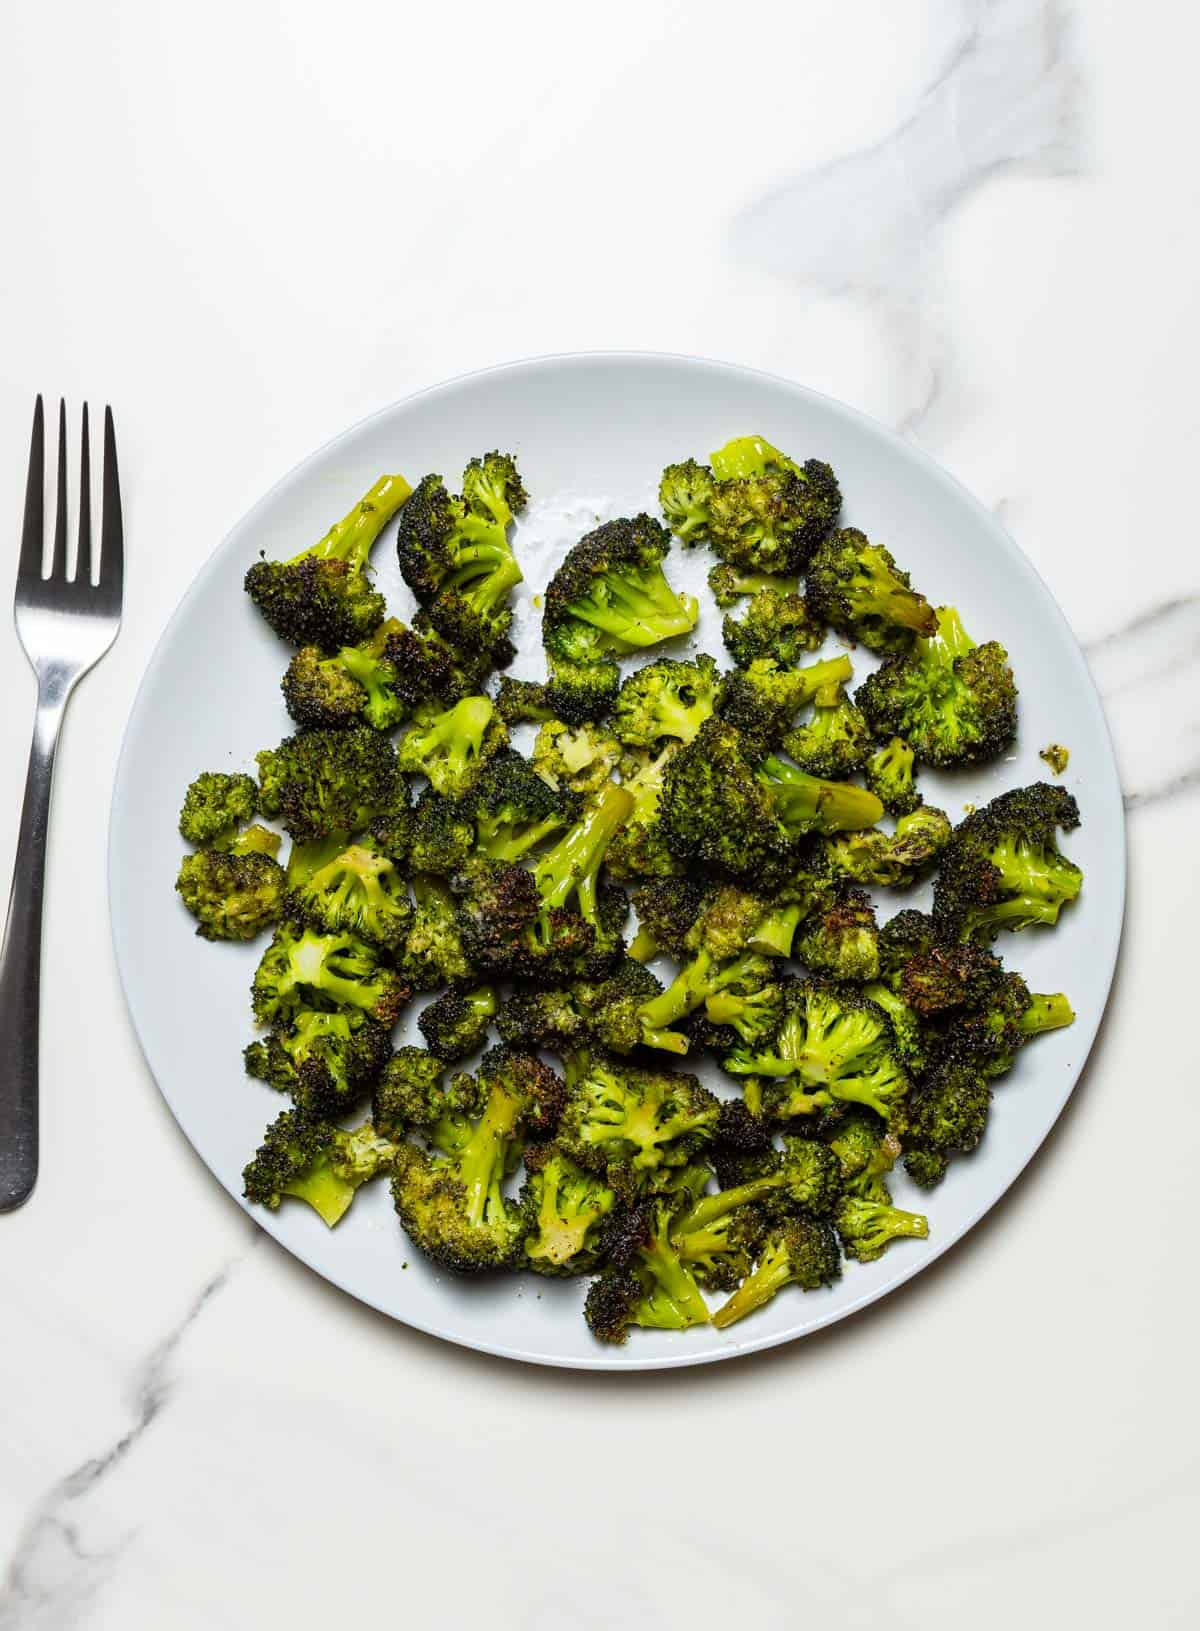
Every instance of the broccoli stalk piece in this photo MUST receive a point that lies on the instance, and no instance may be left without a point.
(646, 1283)
(315, 1162)
(324, 784)
(456, 1024)
(608, 598)
(684, 495)
(214, 807)
(452, 746)
(857, 588)
(631, 1125)
(890, 774)
(301, 968)
(232, 896)
(1002, 868)
(323, 596)
(356, 890)
(954, 702)
(867, 1226)
(327, 1061)
(665, 699)
(805, 803)
(802, 1251)
(567, 1208)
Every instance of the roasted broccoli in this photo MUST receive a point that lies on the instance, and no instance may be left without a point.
(565, 1208)
(356, 685)
(802, 1251)
(601, 1013)
(325, 784)
(766, 513)
(805, 804)
(520, 702)
(515, 809)
(890, 860)
(840, 937)
(327, 1060)
(952, 701)
(835, 742)
(433, 953)
(452, 746)
(354, 889)
(301, 968)
(665, 699)
(456, 1024)
(323, 596)
(232, 896)
(640, 848)
(777, 624)
(646, 1282)
(632, 1126)
(214, 807)
(867, 1225)
(580, 758)
(684, 495)
(857, 588)
(441, 835)
(765, 698)
(890, 774)
(1002, 868)
(715, 811)
(317, 1162)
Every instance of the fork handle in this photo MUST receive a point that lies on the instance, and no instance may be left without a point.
(21, 954)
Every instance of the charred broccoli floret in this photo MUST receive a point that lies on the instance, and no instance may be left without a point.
(665, 699)
(840, 938)
(666, 909)
(802, 1251)
(640, 848)
(325, 784)
(777, 624)
(355, 889)
(449, 1198)
(580, 758)
(890, 774)
(426, 667)
(767, 513)
(302, 969)
(515, 809)
(451, 746)
(632, 1126)
(729, 584)
(947, 1115)
(832, 1045)
(608, 598)
(835, 742)
(231, 896)
(433, 953)
(684, 494)
(954, 702)
(1002, 868)
(356, 685)
(409, 1095)
(646, 1282)
(566, 1208)
(456, 1024)
(327, 1060)
(520, 702)
(765, 698)
(323, 596)
(715, 810)
(856, 587)
(441, 835)
(602, 1013)
(315, 1161)
(214, 807)
(890, 860)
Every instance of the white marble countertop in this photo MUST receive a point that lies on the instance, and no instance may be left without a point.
(247, 227)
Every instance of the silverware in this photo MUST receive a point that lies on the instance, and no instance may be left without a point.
(66, 624)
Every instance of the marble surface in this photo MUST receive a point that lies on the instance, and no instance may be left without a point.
(251, 225)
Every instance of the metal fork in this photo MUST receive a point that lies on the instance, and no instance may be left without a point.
(66, 624)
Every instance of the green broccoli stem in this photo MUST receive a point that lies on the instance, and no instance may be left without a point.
(769, 1277)
(951, 639)
(1019, 913)
(808, 804)
(688, 990)
(895, 603)
(636, 609)
(644, 947)
(325, 1190)
(673, 1283)
(485, 582)
(1046, 1013)
(709, 1208)
(573, 865)
(773, 934)
(482, 1160)
(352, 538)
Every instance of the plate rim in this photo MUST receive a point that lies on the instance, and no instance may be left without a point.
(627, 1359)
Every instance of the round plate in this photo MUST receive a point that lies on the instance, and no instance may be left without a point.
(591, 433)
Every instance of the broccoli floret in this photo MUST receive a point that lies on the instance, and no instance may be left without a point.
(856, 587)
(566, 1208)
(841, 937)
(356, 890)
(326, 1060)
(560, 916)
(520, 702)
(1002, 868)
(433, 953)
(449, 1198)
(720, 1248)
(515, 809)
(314, 1161)
(646, 1283)
(409, 1094)
(835, 742)
(716, 812)
(954, 702)
(867, 1226)
(666, 699)
(582, 692)
(323, 596)
(214, 807)
(805, 804)
(777, 625)
(802, 1251)
(456, 558)
(666, 909)
(456, 1024)
(909, 1030)
(451, 746)
(752, 1014)
(890, 774)
(684, 495)
(232, 897)
(563, 1019)
(805, 1176)
(947, 1114)
(832, 1045)
(426, 667)
(864, 1147)
(580, 758)
(640, 849)
(765, 698)
(608, 598)
(631, 1126)
(729, 584)
(441, 834)
(301, 968)
(323, 784)
(357, 684)
(890, 860)
(766, 513)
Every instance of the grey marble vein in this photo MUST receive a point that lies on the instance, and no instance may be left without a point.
(866, 226)
(51, 1575)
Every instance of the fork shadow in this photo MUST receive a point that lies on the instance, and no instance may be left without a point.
(935, 1281)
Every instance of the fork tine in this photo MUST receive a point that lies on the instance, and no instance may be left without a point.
(112, 532)
(30, 565)
(58, 557)
(83, 548)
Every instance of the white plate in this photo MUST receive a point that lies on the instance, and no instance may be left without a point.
(591, 433)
